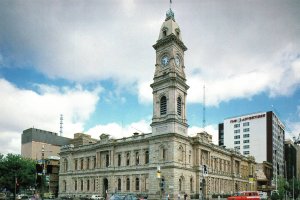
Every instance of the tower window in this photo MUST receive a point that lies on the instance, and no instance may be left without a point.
(163, 105)
(165, 33)
(179, 106)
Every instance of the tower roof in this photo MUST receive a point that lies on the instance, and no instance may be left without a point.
(169, 26)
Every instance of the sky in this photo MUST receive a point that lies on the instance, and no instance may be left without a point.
(93, 62)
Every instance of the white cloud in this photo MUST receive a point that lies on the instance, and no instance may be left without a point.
(116, 130)
(236, 48)
(22, 109)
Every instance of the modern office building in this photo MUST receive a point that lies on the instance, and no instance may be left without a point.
(37, 144)
(259, 134)
(166, 161)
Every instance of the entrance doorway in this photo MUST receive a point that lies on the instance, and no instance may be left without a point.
(105, 187)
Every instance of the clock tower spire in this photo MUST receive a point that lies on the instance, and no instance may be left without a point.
(169, 85)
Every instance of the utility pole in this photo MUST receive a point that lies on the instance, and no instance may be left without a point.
(43, 173)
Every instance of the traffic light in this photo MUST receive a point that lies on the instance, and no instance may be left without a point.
(39, 168)
(162, 184)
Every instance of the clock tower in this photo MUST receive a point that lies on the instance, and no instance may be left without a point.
(169, 86)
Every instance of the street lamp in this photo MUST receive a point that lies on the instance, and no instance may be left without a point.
(158, 176)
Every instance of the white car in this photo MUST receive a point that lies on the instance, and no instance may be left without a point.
(97, 197)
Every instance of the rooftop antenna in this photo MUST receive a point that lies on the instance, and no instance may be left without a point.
(203, 122)
(61, 125)
(170, 4)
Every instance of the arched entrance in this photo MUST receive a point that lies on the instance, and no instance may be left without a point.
(105, 187)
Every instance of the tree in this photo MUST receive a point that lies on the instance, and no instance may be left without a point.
(16, 171)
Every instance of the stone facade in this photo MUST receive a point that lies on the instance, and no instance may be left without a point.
(129, 165)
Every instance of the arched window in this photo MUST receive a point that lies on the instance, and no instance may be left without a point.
(75, 185)
(181, 153)
(180, 184)
(137, 158)
(137, 184)
(65, 165)
(81, 185)
(179, 106)
(128, 184)
(88, 185)
(119, 184)
(163, 105)
(191, 184)
(146, 157)
(128, 159)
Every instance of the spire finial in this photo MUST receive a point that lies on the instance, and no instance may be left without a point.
(170, 13)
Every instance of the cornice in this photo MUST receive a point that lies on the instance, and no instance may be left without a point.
(168, 39)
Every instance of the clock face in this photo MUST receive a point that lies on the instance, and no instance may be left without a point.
(177, 61)
(165, 60)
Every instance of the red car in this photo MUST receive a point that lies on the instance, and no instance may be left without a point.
(245, 195)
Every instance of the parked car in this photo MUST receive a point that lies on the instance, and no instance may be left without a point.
(130, 197)
(245, 195)
(117, 197)
(97, 197)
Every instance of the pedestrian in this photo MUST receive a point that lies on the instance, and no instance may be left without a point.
(178, 197)
(185, 196)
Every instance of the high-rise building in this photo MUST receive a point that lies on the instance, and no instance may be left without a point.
(259, 134)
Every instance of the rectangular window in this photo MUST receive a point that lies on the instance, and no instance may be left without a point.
(246, 129)
(237, 147)
(88, 163)
(246, 124)
(237, 131)
(246, 146)
(94, 158)
(119, 160)
(236, 142)
(246, 141)
(128, 159)
(236, 137)
(246, 152)
(246, 135)
(81, 163)
(76, 163)
(236, 125)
